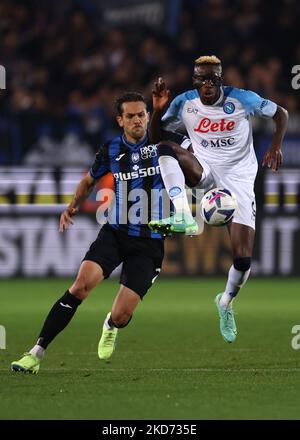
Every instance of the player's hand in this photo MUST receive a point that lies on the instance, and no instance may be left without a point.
(66, 219)
(160, 95)
(273, 158)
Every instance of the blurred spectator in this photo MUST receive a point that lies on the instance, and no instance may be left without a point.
(71, 151)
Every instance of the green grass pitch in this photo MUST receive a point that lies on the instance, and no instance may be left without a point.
(170, 363)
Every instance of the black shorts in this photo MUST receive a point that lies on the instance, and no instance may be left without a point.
(141, 257)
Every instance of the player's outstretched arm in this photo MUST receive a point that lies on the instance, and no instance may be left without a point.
(82, 192)
(160, 101)
(273, 156)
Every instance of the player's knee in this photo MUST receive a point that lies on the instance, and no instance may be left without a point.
(194, 177)
(80, 288)
(167, 149)
(121, 319)
(242, 263)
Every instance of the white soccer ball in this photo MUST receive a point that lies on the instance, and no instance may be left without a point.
(218, 206)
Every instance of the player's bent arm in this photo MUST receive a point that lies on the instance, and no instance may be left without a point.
(160, 101)
(155, 128)
(82, 192)
(273, 156)
(281, 120)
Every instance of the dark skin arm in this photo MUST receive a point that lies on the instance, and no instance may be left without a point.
(273, 157)
(160, 101)
(82, 192)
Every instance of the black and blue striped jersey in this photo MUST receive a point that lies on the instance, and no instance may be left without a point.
(137, 182)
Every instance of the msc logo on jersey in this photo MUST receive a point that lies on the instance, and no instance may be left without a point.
(218, 143)
(148, 151)
(229, 107)
(135, 157)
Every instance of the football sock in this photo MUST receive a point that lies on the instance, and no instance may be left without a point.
(174, 181)
(58, 318)
(236, 280)
(38, 351)
(108, 322)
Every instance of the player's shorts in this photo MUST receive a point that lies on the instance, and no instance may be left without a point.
(141, 257)
(242, 188)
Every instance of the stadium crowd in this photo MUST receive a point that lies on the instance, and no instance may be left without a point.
(64, 71)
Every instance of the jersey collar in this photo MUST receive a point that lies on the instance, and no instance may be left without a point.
(131, 145)
(218, 102)
(221, 97)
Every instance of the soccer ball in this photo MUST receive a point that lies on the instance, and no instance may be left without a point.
(218, 206)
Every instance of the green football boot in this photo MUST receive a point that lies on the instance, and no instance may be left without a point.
(227, 323)
(27, 364)
(174, 224)
(107, 343)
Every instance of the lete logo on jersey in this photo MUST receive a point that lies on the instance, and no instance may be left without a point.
(206, 125)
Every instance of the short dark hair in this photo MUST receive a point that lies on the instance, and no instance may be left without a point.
(127, 97)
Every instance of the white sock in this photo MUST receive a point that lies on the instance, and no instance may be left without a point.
(38, 351)
(106, 321)
(174, 181)
(236, 280)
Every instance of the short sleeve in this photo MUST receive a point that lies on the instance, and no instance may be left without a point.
(256, 105)
(173, 111)
(171, 120)
(100, 166)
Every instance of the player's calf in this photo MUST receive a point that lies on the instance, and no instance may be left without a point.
(119, 320)
(172, 160)
(58, 318)
(237, 276)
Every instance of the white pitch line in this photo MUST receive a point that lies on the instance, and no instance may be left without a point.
(84, 353)
(187, 370)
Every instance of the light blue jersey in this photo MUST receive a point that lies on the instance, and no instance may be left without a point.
(221, 136)
(221, 133)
